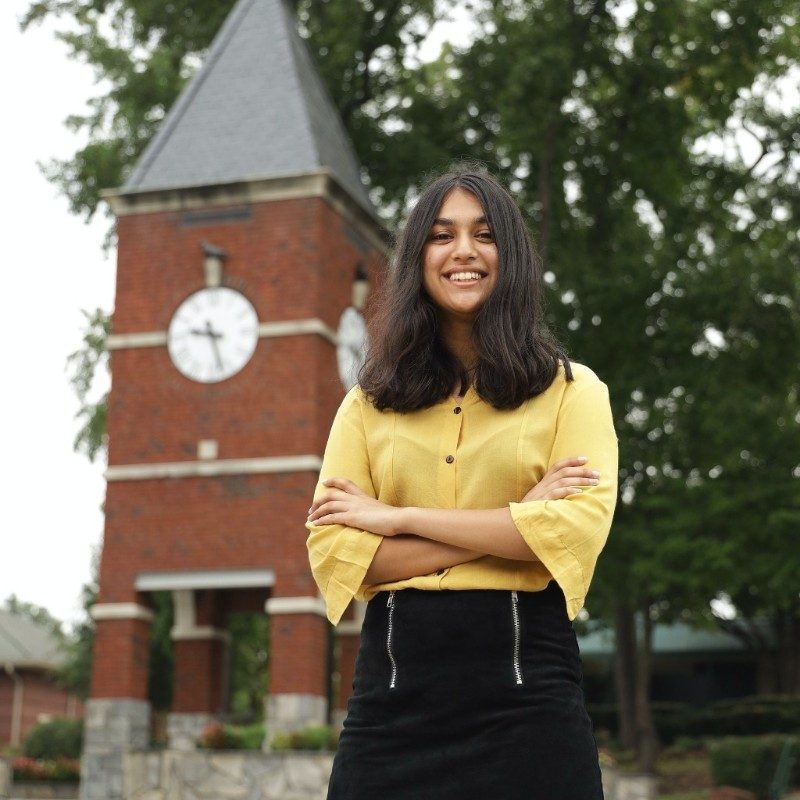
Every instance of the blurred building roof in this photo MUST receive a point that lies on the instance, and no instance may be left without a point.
(257, 108)
(23, 643)
(670, 639)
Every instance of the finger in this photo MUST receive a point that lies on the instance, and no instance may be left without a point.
(331, 494)
(560, 494)
(576, 482)
(578, 472)
(331, 519)
(575, 461)
(331, 506)
(344, 484)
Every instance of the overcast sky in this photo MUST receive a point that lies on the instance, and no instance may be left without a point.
(53, 266)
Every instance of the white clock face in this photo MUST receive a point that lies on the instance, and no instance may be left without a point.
(351, 350)
(213, 334)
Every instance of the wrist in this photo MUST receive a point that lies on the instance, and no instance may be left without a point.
(404, 522)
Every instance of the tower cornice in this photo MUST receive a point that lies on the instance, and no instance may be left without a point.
(320, 183)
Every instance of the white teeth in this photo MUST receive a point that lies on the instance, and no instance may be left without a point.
(464, 276)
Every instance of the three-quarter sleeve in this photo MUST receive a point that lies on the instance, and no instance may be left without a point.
(340, 555)
(567, 535)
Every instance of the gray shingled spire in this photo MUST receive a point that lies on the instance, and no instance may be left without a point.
(256, 109)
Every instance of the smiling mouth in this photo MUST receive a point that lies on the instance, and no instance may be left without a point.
(464, 277)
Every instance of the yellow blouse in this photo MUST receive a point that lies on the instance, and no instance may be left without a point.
(466, 454)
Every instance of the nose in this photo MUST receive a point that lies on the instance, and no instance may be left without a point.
(463, 246)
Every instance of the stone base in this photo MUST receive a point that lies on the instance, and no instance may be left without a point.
(183, 730)
(285, 713)
(5, 777)
(628, 785)
(116, 724)
(112, 727)
(209, 775)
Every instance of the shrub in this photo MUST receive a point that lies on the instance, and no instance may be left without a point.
(314, 737)
(216, 736)
(748, 762)
(670, 719)
(59, 769)
(61, 737)
(746, 716)
(250, 737)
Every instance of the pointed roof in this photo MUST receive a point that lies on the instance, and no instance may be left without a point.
(257, 108)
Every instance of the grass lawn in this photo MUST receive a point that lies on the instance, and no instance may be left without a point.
(683, 774)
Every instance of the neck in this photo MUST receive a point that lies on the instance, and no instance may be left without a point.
(456, 336)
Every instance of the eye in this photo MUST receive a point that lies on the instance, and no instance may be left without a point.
(439, 236)
(486, 235)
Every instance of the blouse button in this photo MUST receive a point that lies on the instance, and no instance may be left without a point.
(450, 459)
(457, 410)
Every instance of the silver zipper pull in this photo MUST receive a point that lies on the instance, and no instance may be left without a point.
(390, 606)
(515, 619)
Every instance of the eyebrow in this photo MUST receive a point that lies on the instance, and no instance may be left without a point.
(445, 221)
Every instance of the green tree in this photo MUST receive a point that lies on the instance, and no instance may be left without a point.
(75, 674)
(249, 664)
(87, 365)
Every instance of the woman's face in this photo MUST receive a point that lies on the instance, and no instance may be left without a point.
(459, 258)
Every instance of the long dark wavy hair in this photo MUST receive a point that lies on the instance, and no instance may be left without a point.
(408, 367)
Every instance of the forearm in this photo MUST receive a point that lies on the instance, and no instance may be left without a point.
(407, 556)
(491, 531)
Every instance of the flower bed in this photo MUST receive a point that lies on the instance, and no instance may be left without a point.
(57, 770)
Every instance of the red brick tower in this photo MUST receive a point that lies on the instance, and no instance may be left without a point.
(244, 236)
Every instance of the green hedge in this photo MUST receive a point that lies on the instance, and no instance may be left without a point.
(749, 762)
(61, 737)
(314, 737)
(216, 736)
(748, 716)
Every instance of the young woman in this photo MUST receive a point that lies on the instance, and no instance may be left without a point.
(466, 491)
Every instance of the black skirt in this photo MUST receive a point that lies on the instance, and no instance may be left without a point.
(467, 694)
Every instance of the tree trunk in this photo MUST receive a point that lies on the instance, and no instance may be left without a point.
(646, 736)
(787, 655)
(624, 674)
(545, 189)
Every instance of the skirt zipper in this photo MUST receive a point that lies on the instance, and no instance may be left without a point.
(390, 605)
(515, 616)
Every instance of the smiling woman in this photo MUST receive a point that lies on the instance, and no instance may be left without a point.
(467, 489)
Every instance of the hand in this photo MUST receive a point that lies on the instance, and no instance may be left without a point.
(344, 503)
(562, 479)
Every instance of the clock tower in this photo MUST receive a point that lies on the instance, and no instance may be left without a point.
(247, 245)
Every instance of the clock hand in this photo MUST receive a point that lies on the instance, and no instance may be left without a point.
(213, 336)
